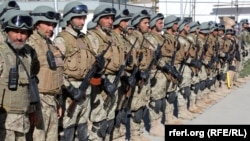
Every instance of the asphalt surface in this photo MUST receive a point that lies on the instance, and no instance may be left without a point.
(234, 108)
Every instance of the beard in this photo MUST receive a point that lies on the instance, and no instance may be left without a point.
(16, 46)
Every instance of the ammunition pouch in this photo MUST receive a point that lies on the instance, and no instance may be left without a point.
(159, 105)
(171, 97)
(102, 128)
(185, 91)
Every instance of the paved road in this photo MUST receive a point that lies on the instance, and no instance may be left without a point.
(232, 109)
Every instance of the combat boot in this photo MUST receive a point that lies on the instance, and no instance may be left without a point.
(184, 114)
(207, 100)
(157, 129)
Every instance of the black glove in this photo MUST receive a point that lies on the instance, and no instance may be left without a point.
(100, 62)
(199, 65)
(129, 60)
(143, 75)
(75, 93)
(140, 56)
(168, 68)
(158, 54)
(108, 87)
(176, 74)
(194, 63)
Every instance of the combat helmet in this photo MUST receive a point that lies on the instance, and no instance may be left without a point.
(91, 25)
(193, 26)
(205, 27)
(46, 14)
(7, 5)
(73, 9)
(103, 10)
(154, 18)
(18, 19)
(182, 23)
(139, 16)
(169, 21)
(121, 15)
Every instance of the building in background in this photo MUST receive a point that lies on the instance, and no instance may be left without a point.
(194, 10)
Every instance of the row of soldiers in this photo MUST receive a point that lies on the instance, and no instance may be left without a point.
(90, 86)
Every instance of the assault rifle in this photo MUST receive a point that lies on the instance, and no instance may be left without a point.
(204, 49)
(111, 92)
(154, 60)
(85, 84)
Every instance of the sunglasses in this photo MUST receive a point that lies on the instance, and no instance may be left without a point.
(11, 5)
(50, 15)
(125, 13)
(78, 10)
(20, 21)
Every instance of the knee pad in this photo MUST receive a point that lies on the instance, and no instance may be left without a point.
(186, 91)
(203, 85)
(171, 97)
(102, 128)
(195, 87)
(139, 114)
(82, 132)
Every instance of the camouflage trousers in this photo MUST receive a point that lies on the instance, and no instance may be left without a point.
(202, 77)
(186, 82)
(47, 128)
(158, 92)
(80, 114)
(98, 113)
(13, 127)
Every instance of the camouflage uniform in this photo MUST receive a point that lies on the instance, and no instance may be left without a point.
(102, 113)
(157, 101)
(16, 104)
(245, 38)
(79, 57)
(120, 24)
(140, 97)
(50, 78)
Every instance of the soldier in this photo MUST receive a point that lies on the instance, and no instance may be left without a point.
(4, 7)
(174, 55)
(78, 58)
(187, 73)
(18, 66)
(120, 25)
(50, 75)
(157, 98)
(104, 94)
(202, 99)
(245, 38)
(193, 38)
(140, 99)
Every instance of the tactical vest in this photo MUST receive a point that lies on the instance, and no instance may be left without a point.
(114, 56)
(146, 49)
(78, 56)
(14, 101)
(50, 81)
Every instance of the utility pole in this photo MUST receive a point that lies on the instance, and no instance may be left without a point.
(56, 9)
(181, 9)
(237, 10)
